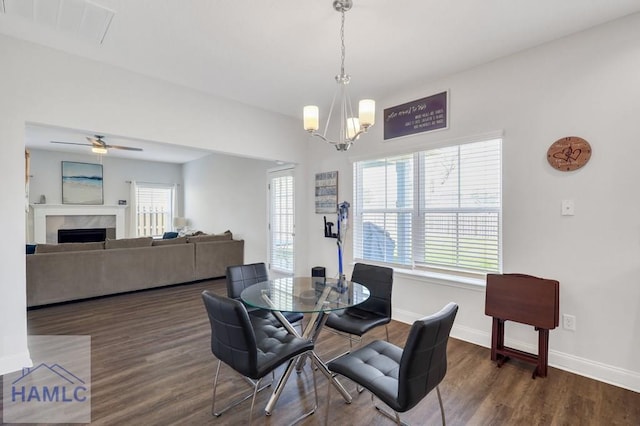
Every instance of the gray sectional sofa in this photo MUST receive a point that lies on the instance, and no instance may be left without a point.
(73, 271)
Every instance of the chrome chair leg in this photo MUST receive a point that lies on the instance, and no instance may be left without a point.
(395, 418)
(255, 385)
(253, 400)
(441, 406)
(386, 330)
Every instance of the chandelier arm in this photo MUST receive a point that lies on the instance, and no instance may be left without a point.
(326, 125)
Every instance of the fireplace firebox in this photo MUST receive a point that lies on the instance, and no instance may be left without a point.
(82, 235)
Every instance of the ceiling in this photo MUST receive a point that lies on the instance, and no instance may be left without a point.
(280, 55)
(40, 137)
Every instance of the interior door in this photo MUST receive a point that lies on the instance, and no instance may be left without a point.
(281, 221)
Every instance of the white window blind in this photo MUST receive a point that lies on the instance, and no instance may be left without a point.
(154, 209)
(431, 209)
(282, 221)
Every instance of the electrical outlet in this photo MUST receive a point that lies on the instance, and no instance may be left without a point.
(569, 322)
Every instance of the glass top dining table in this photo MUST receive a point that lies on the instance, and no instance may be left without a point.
(315, 296)
(305, 294)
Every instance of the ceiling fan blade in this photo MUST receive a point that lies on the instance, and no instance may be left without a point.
(71, 143)
(127, 148)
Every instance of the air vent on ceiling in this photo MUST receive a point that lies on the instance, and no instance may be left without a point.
(80, 17)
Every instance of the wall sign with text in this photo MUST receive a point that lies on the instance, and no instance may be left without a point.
(422, 115)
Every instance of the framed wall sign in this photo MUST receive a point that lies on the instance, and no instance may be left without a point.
(81, 183)
(423, 115)
(327, 192)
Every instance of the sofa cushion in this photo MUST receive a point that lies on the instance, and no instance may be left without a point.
(128, 243)
(227, 235)
(170, 241)
(57, 248)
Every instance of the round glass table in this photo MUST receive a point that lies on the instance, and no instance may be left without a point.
(304, 294)
(315, 296)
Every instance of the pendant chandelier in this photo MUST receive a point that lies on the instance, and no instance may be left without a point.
(351, 127)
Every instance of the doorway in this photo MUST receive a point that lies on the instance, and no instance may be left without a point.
(281, 221)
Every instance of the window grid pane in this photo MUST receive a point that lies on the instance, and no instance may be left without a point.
(454, 223)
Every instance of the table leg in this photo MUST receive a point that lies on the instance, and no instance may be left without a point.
(332, 379)
(316, 322)
(277, 390)
(543, 351)
(497, 338)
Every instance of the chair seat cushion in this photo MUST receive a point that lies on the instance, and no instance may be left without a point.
(275, 345)
(374, 366)
(355, 321)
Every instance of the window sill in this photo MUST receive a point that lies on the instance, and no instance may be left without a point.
(452, 280)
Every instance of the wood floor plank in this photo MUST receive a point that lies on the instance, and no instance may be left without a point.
(152, 365)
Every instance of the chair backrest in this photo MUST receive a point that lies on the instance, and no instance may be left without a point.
(379, 281)
(233, 340)
(240, 277)
(424, 359)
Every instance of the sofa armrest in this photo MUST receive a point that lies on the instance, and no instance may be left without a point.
(213, 257)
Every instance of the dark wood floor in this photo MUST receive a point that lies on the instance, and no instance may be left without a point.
(152, 365)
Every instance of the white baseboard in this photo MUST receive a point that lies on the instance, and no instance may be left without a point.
(16, 362)
(610, 374)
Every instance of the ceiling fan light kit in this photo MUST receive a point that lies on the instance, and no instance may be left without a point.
(99, 150)
(351, 127)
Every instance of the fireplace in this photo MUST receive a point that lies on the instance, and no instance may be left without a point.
(48, 218)
(84, 235)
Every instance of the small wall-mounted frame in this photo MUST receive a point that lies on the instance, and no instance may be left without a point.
(327, 192)
(82, 183)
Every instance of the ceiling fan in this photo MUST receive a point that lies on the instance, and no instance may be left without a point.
(99, 146)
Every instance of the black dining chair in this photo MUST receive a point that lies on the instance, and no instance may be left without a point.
(401, 378)
(240, 277)
(374, 312)
(250, 345)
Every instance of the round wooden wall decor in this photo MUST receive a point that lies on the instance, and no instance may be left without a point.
(570, 153)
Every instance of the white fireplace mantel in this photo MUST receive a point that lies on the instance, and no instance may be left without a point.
(41, 211)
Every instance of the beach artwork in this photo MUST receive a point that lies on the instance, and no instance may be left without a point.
(81, 183)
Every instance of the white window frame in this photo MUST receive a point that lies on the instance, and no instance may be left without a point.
(172, 210)
(418, 209)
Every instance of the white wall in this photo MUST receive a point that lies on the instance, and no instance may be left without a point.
(44, 86)
(586, 85)
(46, 178)
(223, 192)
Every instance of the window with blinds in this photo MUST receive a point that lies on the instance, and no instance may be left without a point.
(154, 209)
(431, 209)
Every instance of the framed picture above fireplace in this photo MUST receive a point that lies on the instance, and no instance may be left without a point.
(82, 183)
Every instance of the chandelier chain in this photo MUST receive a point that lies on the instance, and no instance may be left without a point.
(343, 47)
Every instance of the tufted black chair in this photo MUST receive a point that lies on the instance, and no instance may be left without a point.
(401, 378)
(374, 312)
(240, 277)
(252, 346)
